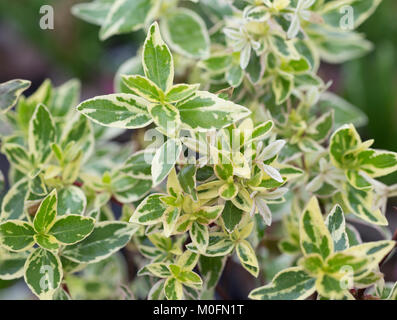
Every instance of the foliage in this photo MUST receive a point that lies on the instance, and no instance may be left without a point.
(244, 129)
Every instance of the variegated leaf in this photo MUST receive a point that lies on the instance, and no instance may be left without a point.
(164, 160)
(71, 229)
(106, 239)
(10, 91)
(200, 236)
(71, 200)
(16, 235)
(205, 111)
(247, 257)
(336, 225)
(12, 264)
(124, 16)
(46, 213)
(144, 88)
(157, 60)
(359, 203)
(139, 164)
(173, 289)
(181, 92)
(361, 9)
(41, 134)
(314, 235)
(120, 110)
(13, 204)
(150, 210)
(43, 273)
(186, 33)
(289, 284)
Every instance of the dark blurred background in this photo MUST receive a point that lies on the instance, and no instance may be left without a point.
(73, 50)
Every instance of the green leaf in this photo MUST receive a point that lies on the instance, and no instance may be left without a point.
(377, 163)
(13, 204)
(46, 213)
(344, 112)
(16, 235)
(218, 246)
(361, 10)
(231, 216)
(125, 16)
(360, 204)
(282, 87)
(157, 291)
(321, 128)
(12, 264)
(127, 189)
(167, 117)
(247, 257)
(257, 14)
(150, 210)
(46, 241)
(188, 260)
(71, 200)
(338, 46)
(314, 235)
(205, 111)
(336, 225)
(43, 273)
(190, 279)
(312, 263)
(139, 164)
(120, 110)
(357, 180)
(61, 295)
(234, 76)
(186, 33)
(71, 229)
(260, 131)
(228, 191)
(354, 235)
(41, 134)
(65, 98)
(157, 60)
(207, 215)
(329, 286)
(343, 140)
(187, 180)
(283, 48)
(217, 63)
(255, 68)
(181, 91)
(27, 106)
(393, 293)
(211, 269)
(80, 132)
(160, 270)
(170, 216)
(200, 236)
(164, 160)
(340, 260)
(106, 239)
(289, 284)
(93, 12)
(173, 289)
(144, 88)
(10, 91)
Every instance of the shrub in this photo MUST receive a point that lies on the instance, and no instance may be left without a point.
(247, 137)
